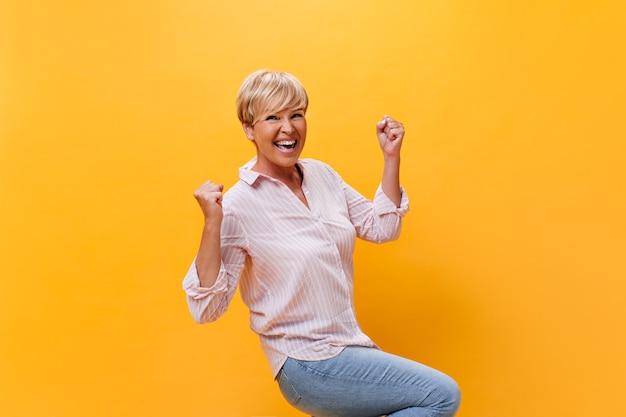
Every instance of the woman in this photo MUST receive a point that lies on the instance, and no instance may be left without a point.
(285, 234)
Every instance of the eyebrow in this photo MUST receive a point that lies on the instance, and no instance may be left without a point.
(299, 109)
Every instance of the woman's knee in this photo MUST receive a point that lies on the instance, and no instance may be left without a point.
(449, 396)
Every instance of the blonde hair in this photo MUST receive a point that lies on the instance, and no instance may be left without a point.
(266, 91)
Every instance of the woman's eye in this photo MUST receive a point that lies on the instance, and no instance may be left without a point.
(271, 118)
(297, 115)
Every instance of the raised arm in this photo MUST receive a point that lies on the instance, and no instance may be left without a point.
(390, 133)
(208, 260)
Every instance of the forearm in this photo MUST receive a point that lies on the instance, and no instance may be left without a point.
(390, 133)
(208, 260)
(391, 179)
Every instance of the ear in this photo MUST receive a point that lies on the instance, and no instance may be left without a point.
(247, 128)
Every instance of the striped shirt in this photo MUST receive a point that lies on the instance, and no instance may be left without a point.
(293, 264)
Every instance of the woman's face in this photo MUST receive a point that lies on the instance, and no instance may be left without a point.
(279, 139)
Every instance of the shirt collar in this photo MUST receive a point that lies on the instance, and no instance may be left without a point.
(247, 175)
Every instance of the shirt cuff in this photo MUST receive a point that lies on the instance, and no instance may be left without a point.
(193, 287)
(384, 205)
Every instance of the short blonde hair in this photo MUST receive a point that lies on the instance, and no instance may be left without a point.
(266, 91)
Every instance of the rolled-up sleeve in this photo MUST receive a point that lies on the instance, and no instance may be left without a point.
(378, 220)
(384, 205)
(207, 304)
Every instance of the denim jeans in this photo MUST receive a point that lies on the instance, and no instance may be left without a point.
(367, 382)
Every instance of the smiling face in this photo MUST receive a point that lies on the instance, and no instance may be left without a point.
(279, 138)
(271, 106)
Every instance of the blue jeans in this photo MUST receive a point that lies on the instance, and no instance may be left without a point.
(367, 382)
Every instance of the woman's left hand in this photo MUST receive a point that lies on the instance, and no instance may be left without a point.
(390, 133)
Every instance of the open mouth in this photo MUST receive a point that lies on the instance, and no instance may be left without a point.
(286, 145)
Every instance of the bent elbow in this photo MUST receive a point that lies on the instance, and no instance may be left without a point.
(394, 235)
(203, 313)
(200, 318)
(203, 317)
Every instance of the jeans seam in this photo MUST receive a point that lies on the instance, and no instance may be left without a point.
(287, 381)
(396, 383)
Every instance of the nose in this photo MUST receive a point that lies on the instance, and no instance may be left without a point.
(286, 125)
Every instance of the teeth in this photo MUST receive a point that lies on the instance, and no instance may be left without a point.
(286, 143)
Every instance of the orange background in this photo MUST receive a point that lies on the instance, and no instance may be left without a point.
(510, 272)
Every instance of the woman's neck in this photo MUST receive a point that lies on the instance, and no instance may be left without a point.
(291, 176)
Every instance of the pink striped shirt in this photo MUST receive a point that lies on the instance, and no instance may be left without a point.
(293, 264)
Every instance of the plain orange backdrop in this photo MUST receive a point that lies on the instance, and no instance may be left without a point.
(510, 271)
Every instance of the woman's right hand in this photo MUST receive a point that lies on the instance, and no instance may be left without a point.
(209, 196)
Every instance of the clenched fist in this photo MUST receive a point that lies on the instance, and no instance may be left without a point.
(209, 196)
(390, 133)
